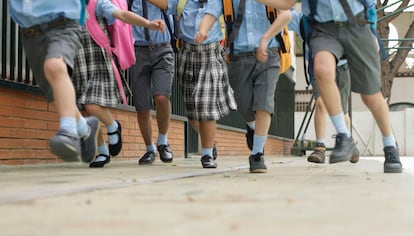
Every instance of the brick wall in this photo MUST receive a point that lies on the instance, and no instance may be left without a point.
(27, 122)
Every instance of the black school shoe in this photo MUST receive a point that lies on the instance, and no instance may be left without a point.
(147, 159)
(115, 149)
(208, 162)
(100, 164)
(165, 153)
(392, 163)
(249, 137)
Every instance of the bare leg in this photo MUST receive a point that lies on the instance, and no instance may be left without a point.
(103, 113)
(163, 106)
(263, 120)
(63, 91)
(207, 133)
(325, 74)
(379, 109)
(145, 125)
(320, 119)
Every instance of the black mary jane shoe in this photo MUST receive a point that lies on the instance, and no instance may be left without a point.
(100, 164)
(115, 149)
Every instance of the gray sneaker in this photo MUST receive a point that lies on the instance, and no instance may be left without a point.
(89, 141)
(344, 146)
(65, 145)
(257, 163)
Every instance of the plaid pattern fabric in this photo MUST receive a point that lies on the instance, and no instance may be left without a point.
(202, 73)
(93, 76)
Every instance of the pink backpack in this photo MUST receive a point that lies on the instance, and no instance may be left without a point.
(121, 38)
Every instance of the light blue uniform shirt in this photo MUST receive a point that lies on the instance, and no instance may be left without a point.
(32, 12)
(105, 9)
(294, 23)
(254, 25)
(192, 15)
(331, 10)
(154, 13)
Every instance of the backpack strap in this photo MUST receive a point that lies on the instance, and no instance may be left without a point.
(173, 34)
(130, 2)
(232, 24)
(271, 14)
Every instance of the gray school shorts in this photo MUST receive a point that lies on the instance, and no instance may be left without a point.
(254, 83)
(152, 74)
(359, 45)
(343, 81)
(62, 41)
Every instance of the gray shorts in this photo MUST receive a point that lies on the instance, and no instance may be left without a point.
(254, 84)
(152, 74)
(61, 41)
(343, 81)
(359, 45)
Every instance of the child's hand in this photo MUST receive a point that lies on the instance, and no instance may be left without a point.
(261, 52)
(200, 37)
(157, 25)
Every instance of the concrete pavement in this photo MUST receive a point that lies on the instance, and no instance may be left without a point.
(294, 198)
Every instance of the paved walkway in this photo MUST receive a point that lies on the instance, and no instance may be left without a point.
(294, 198)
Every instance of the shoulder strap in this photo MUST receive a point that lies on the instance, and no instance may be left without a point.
(271, 14)
(173, 34)
(130, 2)
(312, 6)
(180, 7)
(232, 24)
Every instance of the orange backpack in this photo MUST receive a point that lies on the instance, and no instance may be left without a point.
(282, 38)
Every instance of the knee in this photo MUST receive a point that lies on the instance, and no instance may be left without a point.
(322, 73)
(92, 109)
(373, 100)
(161, 100)
(54, 66)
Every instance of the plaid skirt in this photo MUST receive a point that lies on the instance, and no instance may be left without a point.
(202, 73)
(93, 76)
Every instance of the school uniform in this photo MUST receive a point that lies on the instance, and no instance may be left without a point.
(332, 32)
(49, 29)
(94, 78)
(202, 68)
(254, 83)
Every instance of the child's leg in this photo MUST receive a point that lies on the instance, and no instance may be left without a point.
(113, 127)
(103, 157)
(208, 135)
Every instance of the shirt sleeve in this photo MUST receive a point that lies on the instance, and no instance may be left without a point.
(105, 9)
(214, 8)
(294, 23)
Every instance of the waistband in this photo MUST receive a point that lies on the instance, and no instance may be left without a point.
(40, 28)
(201, 47)
(360, 20)
(251, 54)
(155, 45)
